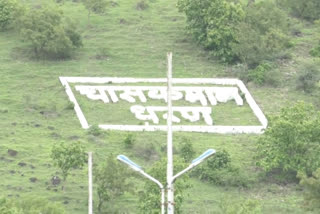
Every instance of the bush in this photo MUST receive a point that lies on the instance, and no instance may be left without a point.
(9, 11)
(49, 33)
(312, 189)
(213, 24)
(262, 35)
(291, 141)
(307, 9)
(219, 171)
(95, 130)
(129, 141)
(309, 77)
(186, 150)
(233, 32)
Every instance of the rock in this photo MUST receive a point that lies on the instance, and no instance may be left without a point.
(12, 172)
(22, 164)
(32, 167)
(12, 152)
(66, 202)
(50, 127)
(33, 179)
(55, 180)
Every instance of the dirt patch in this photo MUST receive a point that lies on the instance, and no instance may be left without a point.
(12, 152)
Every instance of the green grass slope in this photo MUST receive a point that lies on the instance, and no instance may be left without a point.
(125, 42)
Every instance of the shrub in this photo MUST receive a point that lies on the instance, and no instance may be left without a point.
(233, 32)
(9, 11)
(186, 150)
(129, 141)
(291, 141)
(262, 35)
(221, 159)
(94, 130)
(219, 171)
(213, 24)
(142, 5)
(307, 9)
(49, 33)
(259, 74)
(309, 77)
(312, 189)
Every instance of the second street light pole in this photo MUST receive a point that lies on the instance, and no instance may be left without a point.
(170, 197)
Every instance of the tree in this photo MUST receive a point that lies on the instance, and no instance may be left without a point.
(95, 6)
(49, 32)
(291, 142)
(262, 35)
(9, 11)
(213, 24)
(149, 199)
(111, 180)
(67, 157)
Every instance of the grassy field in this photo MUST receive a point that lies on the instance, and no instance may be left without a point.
(35, 112)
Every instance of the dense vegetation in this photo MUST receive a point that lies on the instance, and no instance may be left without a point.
(273, 46)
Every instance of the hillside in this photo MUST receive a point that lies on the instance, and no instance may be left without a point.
(35, 112)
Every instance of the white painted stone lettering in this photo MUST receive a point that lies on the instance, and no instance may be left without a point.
(201, 94)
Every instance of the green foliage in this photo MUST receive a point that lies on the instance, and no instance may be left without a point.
(262, 35)
(221, 159)
(249, 206)
(307, 9)
(309, 77)
(315, 52)
(129, 141)
(68, 157)
(7, 207)
(94, 130)
(49, 33)
(9, 11)
(111, 180)
(34, 205)
(259, 74)
(312, 189)
(233, 32)
(291, 141)
(213, 24)
(95, 6)
(186, 150)
(218, 170)
(30, 205)
(150, 198)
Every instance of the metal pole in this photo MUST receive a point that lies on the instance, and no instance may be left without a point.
(90, 182)
(169, 139)
(162, 200)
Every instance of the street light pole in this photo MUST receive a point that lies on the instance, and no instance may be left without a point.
(138, 168)
(169, 138)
